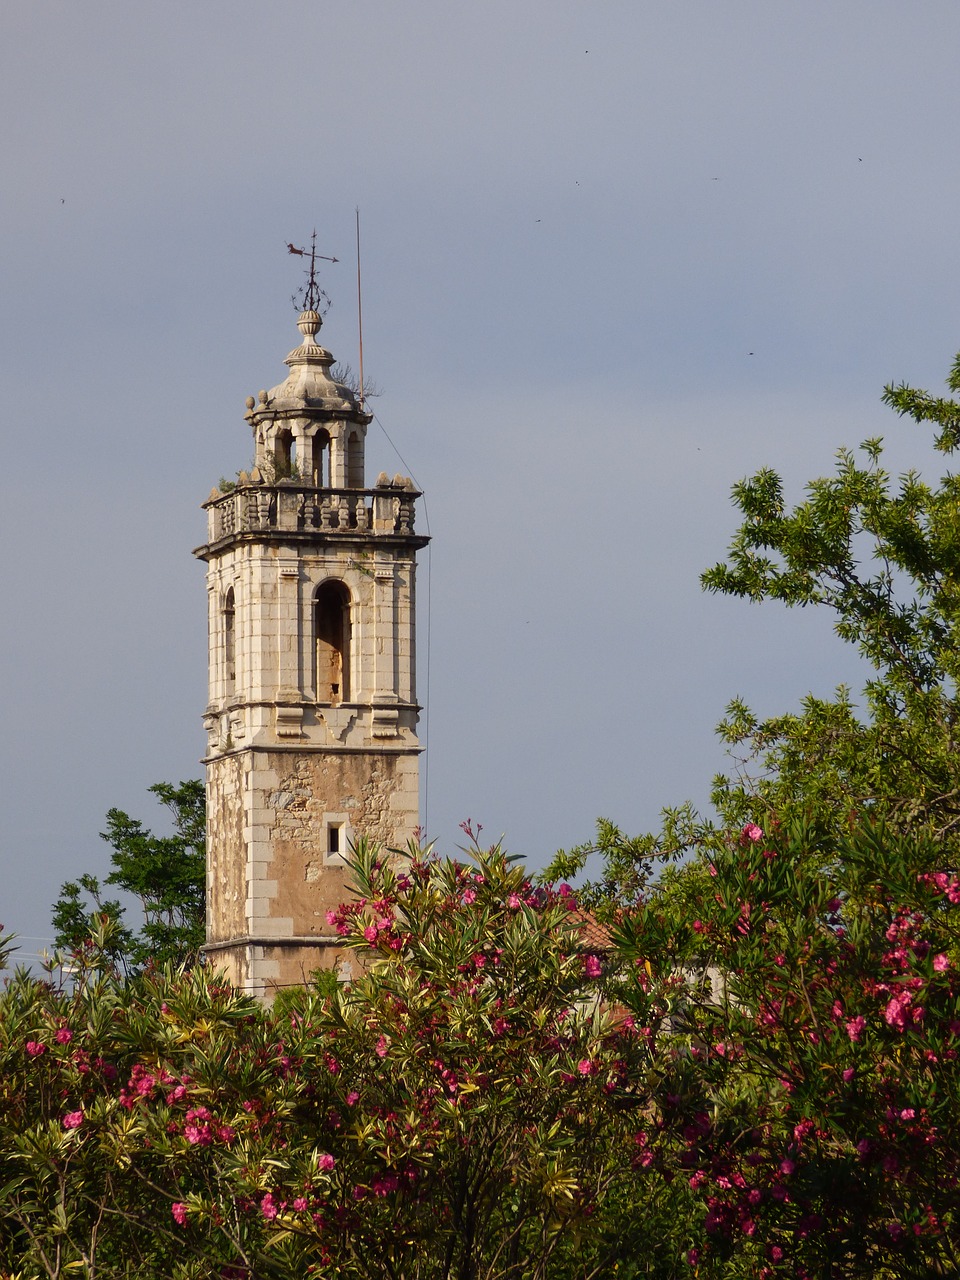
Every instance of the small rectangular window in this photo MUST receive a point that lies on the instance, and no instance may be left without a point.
(333, 839)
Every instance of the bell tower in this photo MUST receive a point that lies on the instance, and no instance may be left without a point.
(312, 714)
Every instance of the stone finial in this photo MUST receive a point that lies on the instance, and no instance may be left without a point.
(398, 481)
(249, 402)
(309, 323)
(262, 397)
(383, 480)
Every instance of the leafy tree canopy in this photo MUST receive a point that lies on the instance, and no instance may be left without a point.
(166, 873)
(883, 555)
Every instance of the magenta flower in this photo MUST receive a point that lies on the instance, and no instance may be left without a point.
(469, 897)
(752, 832)
(352, 1098)
(326, 1162)
(592, 966)
(381, 1047)
(855, 1027)
(35, 1048)
(73, 1120)
(268, 1208)
(63, 1035)
(299, 1204)
(941, 963)
(179, 1211)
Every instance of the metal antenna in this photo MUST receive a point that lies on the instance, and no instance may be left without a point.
(310, 297)
(359, 308)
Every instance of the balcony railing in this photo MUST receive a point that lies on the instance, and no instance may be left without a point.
(252, 508)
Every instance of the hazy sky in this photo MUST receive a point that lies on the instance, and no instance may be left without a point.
(616, 256)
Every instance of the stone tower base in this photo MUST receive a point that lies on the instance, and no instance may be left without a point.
(286, 818)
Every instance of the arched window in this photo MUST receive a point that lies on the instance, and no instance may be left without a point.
(283, 454)
(320, 461)
(354, 461)
(229, 643)
(332, 631)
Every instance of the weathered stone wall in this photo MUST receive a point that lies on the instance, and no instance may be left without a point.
(272, 877)
(226, 849)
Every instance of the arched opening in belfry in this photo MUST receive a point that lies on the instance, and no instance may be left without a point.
(332, 631)
(320, 460)
(354, 461)
(283, 454)
(229, 643)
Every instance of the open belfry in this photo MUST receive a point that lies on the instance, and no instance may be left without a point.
(312, 713)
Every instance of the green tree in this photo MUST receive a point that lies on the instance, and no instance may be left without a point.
(166, 873)
(883, 555)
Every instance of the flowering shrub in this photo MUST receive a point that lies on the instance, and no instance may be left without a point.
(458, 1111)
(811, 1093)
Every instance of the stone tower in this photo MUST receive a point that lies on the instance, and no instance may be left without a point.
(312, 713)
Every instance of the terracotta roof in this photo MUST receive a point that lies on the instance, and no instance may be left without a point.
(594, 935)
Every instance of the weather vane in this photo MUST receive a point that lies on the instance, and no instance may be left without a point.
(310, 297)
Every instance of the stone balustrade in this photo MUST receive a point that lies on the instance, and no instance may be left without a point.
(257, 508)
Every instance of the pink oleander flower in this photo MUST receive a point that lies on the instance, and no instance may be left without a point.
(63, 1035)
(468, 897)
(848, 1075)
(856, 1027)
(370, 933)
(326, 1162)
(592, 966)
(352, 1098)
(898, 1011)
(268, 1208)
(941, 963)
(586, 1067)
(179, 1211)
(513, 902)
(752, 832)
(299, 1204)
(381, 1047)
(73, 1120)
(35, 1048)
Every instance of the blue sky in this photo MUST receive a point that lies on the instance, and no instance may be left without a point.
(616, 256)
